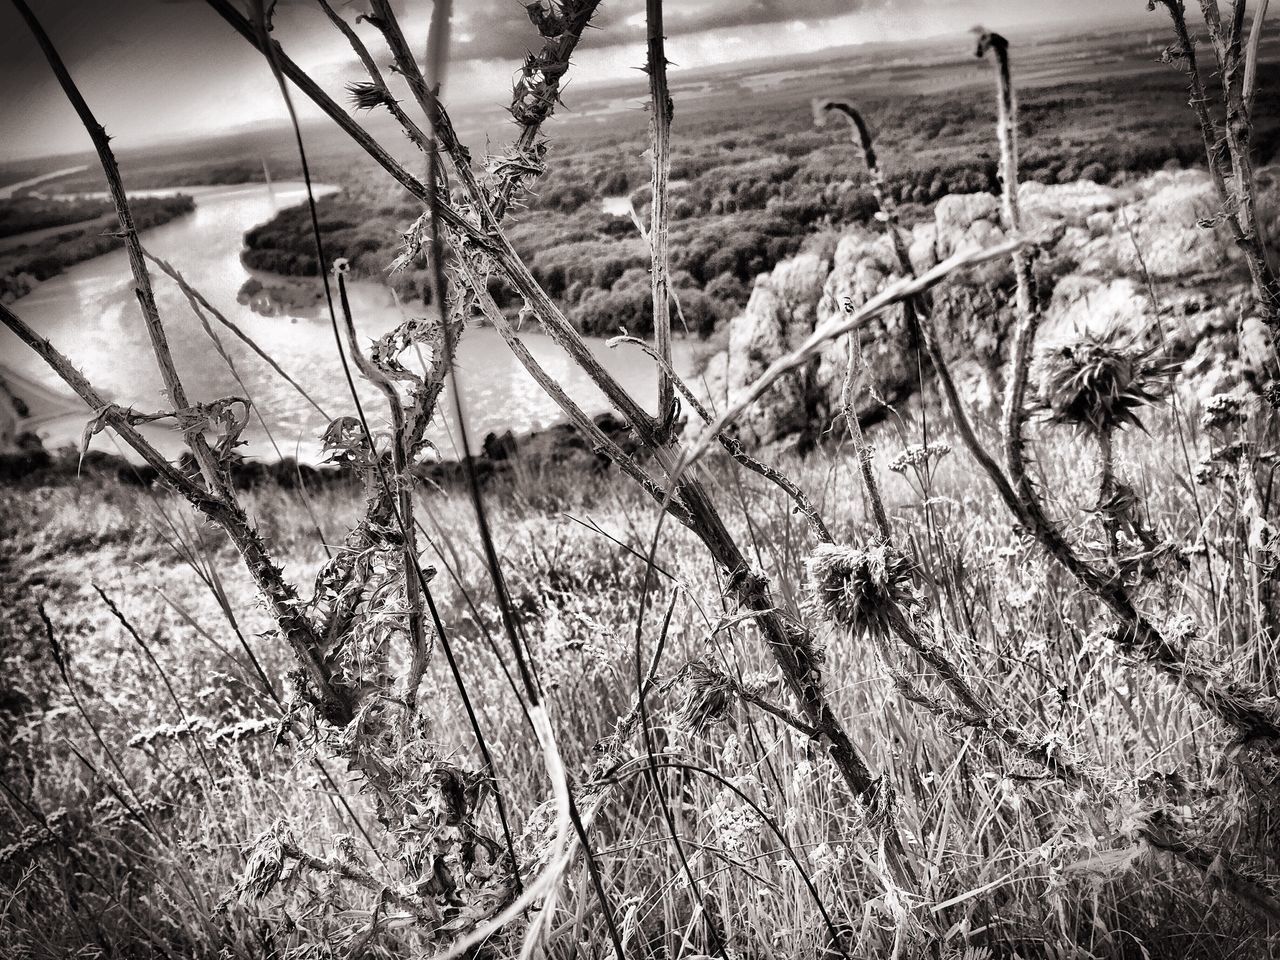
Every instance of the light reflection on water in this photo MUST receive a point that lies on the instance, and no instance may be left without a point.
(90, 313)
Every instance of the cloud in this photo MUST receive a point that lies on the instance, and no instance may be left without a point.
(499, 29)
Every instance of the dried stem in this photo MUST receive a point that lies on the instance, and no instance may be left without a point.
(1254, 717)
(1107, 514)
(348, 870)
(403, 488)
(1249, 85)
(209, 465)
(383, 93)
(861, 449)
(734, 447)
(215, 500)
(600, 441)
(1028, 314)
(361, 137)
(1239, 83)
(281, 596)
(660, 113)
(538, 91)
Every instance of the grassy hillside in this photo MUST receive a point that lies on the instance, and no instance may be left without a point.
(157, 771)
(874, 701)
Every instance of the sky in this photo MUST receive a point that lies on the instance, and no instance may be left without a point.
(164, 70)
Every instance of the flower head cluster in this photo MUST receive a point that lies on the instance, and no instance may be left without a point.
(859, 588)
(732, 821)
(918, 455)
(1223, 411)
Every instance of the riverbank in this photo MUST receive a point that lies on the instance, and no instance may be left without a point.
(558, 449)
(24, 264)
(90, 313)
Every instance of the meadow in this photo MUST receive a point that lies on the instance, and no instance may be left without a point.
(173, 685)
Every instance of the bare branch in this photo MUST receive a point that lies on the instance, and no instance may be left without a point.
(357, 133)
(209, 465)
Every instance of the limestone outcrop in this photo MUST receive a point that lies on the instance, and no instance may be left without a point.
(1144, 258)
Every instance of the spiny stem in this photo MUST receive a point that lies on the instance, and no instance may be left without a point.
(660, 113)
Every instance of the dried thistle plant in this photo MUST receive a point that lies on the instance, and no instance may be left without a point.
(861, 588)
(457, 881)
(1098, 382)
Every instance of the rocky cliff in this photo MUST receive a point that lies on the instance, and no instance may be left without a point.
(1143, 258)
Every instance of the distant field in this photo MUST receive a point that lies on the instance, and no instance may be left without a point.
(753, 179)
(779, 91)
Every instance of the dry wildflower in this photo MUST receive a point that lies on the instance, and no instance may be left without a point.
(1019, 598)
(170, 731)
(858, 588)
(707, 695)
(918, 456)
(243, 729)
(732, 821)
(1097, 382)
(264, 867)
(368, 96)
(1223, 411)
(29, 843)
(826, 858)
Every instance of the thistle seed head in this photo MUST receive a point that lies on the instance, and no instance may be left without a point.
(857, 588)
(265, 865)
(1097, 382)
(367, 96)
(707, 696)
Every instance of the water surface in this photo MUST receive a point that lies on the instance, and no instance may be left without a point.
(90, 313)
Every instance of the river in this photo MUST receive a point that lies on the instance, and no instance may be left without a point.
(90, 313)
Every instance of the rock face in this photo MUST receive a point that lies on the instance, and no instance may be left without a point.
(1136, 258)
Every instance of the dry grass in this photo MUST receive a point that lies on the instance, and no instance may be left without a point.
(1013, 862)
